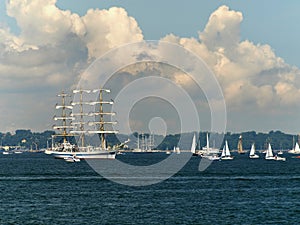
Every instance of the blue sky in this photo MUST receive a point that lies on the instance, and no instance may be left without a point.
(50, 47)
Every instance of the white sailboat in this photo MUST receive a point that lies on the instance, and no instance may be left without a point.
(226, 152)
(252, 154)
(208, 152)
(177, 150)
(295, 150)
(269, 155)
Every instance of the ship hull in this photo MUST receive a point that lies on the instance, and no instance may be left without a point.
(86, 155)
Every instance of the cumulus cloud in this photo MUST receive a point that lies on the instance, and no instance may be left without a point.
(250, 74)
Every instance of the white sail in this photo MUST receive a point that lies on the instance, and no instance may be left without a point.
(102, 122)
(101, 102)
(101, 113)
(297, 148)
(62, 127)
(269, 152)
(63, 118)
(193, 148)
(252, 151)
(207, 142)
(223, 152)
(227, 152)
(102, 132)
(79, 114)
(63, 106)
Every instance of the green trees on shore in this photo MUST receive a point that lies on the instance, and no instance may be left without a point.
(35, 140)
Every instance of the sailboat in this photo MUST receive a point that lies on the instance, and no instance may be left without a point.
(207, 149)
(78, 127)
(193, 147)
(72, 158)
(176, 150)
(240, 146)
(252, 154)
(295, 150)
(226, 153)
(269, 155)
(208, 152)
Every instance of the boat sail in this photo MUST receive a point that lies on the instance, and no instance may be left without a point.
(226, 152)
(240, 146)
(193, 147)
(269, 155)
(83, 127)
(252, 154)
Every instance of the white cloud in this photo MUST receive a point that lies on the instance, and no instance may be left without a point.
(250, 74)
(107, 29)
(55, 45)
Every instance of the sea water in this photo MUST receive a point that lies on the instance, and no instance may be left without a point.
(38, 189)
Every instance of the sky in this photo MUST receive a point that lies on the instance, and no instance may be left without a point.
(252, 47)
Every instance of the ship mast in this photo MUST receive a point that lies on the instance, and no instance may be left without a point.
(81, 115)
(101, 123)
(64, 118)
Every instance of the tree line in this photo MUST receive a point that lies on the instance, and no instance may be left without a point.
(38, 140)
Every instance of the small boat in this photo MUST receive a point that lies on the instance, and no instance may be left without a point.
(212, 157)
(280, 153)
(72, 158)
(177, 150)
(226, 152)
(18, 152)
(252, 154)
(6, 153)
(295, 150)
(270, 156)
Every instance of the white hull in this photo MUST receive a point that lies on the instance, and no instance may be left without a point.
(71, 159)
(227, 158)
(211, 157)
(293, 152)
(280, 159)
(211, 150)
(276, 158)
(253, 156)
(86, 155)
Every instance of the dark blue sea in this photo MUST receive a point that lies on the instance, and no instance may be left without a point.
(38, 189)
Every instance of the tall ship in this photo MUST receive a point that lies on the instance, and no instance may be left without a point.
(86, 121)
